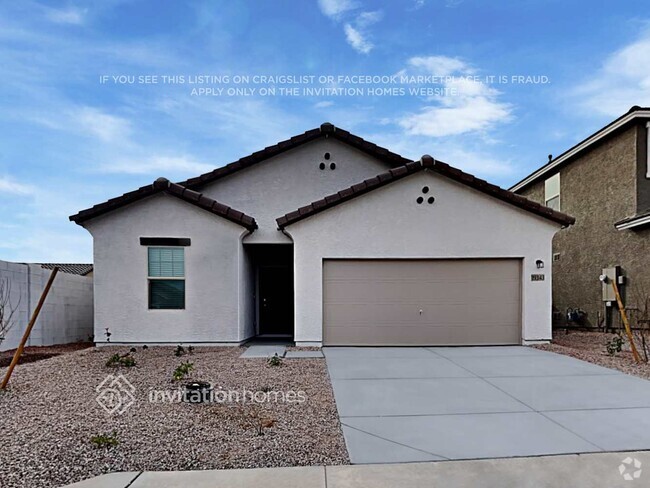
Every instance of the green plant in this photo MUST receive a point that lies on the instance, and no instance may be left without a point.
(615, 344)
(182, 370)
(117, 360)
(275, 360)
(105, 440)
(179, 351)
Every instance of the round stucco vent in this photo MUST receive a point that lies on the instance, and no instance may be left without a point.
(430, 200)
(326, 155)
(420, 200)
(425, 190)
(332, 166)
(321, 166)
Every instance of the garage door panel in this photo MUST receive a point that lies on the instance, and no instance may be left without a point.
(424, 291)
(418, 335)
(449, 313)
(422, 302)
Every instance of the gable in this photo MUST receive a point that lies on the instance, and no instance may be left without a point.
(290, 180)
(159, 214)
(428, 164)
(460, 220)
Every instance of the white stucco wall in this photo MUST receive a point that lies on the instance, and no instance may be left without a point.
(212, 272)
(388, 223)
(66, 316)
(291, 180)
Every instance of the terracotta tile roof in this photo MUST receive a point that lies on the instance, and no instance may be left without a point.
(325, 130)
(426, 162)
(174, 189)
(70, 268)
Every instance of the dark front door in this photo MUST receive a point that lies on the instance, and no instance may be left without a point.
(275, 299)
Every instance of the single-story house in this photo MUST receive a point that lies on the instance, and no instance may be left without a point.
(324, 238)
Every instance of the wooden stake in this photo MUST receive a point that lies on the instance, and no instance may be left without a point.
(29, 328)
(626, 323)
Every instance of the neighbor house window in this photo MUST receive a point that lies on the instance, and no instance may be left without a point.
(552, 192)
(166, 277)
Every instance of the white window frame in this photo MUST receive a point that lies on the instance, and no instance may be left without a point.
(167, 278)
(647, 150)
(550, 196)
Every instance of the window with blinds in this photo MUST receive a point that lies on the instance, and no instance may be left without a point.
(552, 192)
(166, 277)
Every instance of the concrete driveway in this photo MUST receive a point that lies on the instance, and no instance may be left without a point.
(425, 404)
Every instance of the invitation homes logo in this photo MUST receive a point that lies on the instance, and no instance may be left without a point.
(630, 469)
(115, 394)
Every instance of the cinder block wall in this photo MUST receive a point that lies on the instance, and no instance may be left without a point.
(67, 315)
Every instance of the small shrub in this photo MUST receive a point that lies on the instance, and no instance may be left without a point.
(182, 370)
(179, 351)
(117, 360)
(615, 345)
(255, 418)
(127, 361)
(275, 360)
(104, 440)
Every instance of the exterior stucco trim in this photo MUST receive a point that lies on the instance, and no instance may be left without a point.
(632, 222)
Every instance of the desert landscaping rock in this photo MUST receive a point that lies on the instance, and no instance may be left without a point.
(590, 346)
(49, 414)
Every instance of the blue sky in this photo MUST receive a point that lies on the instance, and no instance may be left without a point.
(68, 141)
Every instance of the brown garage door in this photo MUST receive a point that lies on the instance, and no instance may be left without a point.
(421, 302)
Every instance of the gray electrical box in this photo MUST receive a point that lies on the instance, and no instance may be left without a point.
(613, 273)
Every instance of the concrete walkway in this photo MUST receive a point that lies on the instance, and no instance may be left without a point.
(426, 404)
(609, 470)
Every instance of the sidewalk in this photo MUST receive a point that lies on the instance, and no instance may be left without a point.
(577, 471)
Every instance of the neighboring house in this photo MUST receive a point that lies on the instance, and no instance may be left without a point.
(604, 182)
(323, 238)
(66, 316)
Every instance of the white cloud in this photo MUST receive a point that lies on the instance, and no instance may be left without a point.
(324, 104)
(10, 186)
(108, 128)
(365, 19)
(158, 165)
(623, 80)
(71, 16)
(356, 26)
(440, 65)
(357, 40)
(88, 121)
(334, 8)
(472, 106)
(356, 32)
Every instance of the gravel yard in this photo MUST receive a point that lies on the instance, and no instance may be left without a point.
(49, 414)
(590, 346)
(37, 353)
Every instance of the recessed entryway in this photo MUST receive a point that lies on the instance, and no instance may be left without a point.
(272, 266)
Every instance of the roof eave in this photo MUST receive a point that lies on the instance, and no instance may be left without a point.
(622, 121)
